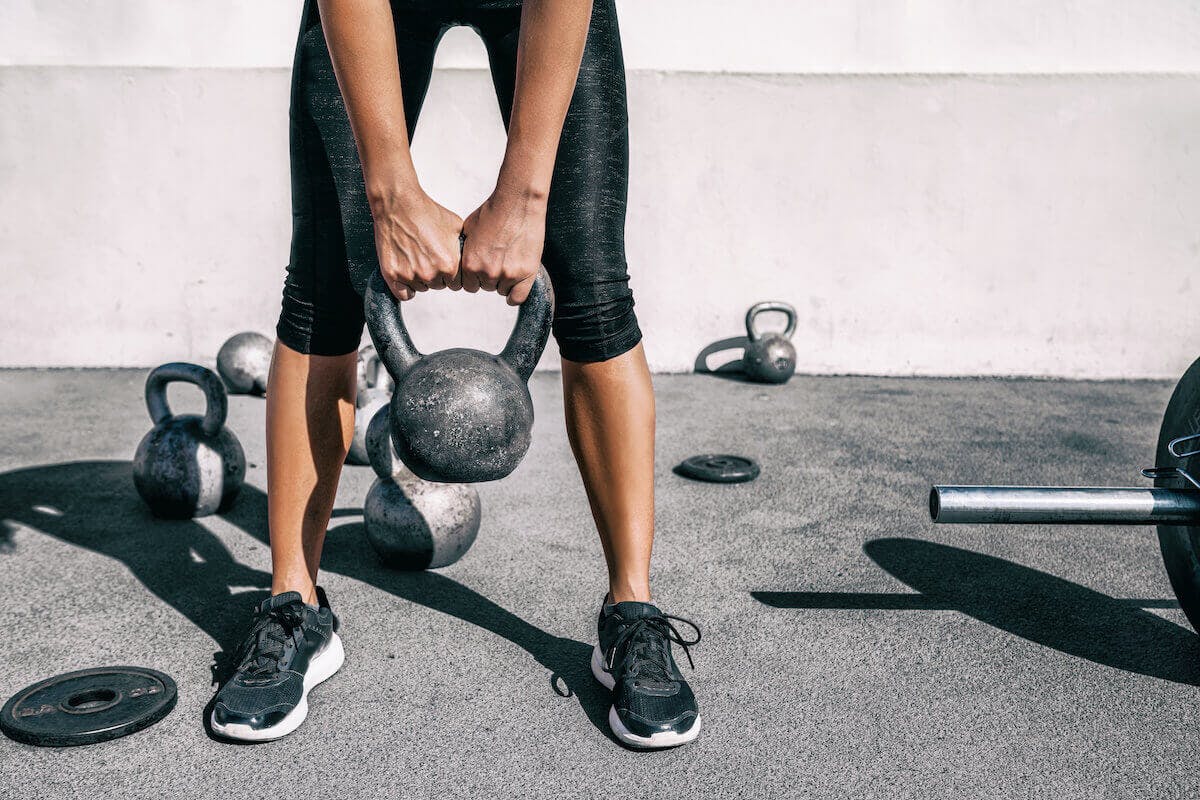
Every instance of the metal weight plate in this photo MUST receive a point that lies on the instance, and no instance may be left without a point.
(719, 468)
(1180, 544)
(88, 706)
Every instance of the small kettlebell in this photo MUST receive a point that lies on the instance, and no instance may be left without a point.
(770, 357)
(188, 466)
(460, 415)
(413, 523)
(244, 362)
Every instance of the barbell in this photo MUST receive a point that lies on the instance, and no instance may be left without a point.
(1172, 503)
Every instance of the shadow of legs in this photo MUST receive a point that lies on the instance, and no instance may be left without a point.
(1025, 602)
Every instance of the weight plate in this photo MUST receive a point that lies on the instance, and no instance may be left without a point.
(1180, 544)
(719, 468)
(91, 705)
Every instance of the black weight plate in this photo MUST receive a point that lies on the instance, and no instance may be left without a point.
(91, 705)
(1180, 544)
(719, 468)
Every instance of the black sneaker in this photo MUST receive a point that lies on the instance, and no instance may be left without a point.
(291, 648)
(652, 706)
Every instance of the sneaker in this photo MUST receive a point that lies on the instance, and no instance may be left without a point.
(291, 648)
(653, 707)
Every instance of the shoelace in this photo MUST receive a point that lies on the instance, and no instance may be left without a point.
(648, 645)
(265, 644)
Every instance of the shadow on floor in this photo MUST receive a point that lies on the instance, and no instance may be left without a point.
(93, 505)
(730, 370)
(1025, 602)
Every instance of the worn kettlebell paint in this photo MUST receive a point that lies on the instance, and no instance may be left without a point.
(244, 362)
(188, 466)
(460, 415)
(770, 357)
(414, 523)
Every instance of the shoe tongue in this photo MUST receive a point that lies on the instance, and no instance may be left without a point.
(633, 610)
(279, 600)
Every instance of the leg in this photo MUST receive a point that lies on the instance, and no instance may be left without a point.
(606, 384)
(610, 422)
(310, 405)
(294, 645)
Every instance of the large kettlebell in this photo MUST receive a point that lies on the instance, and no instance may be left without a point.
(770, 357)
(244, 362)
(188, 466)
(460, 415)
(413, 523)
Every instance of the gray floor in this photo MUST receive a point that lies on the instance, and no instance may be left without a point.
(851, 648)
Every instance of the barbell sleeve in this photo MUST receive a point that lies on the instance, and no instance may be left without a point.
(1066, 505)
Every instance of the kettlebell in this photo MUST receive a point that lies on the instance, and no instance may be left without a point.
(373, 394)
(770, 357)
(460, 415)
(244, 362)
(188, 466)
(412, 523)
(370, 387)
(357, 454)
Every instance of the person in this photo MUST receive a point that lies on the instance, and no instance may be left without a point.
(361, 72)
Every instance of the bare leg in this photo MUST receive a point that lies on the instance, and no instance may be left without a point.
(610, 422)
(310, 422)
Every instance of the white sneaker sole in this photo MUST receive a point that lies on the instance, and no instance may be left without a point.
(320, 670)
(656, 741)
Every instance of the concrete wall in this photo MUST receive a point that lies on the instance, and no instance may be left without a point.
(949, 187)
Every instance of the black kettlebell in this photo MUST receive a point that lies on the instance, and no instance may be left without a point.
(770, 357)
(188, 466)
(460, 415)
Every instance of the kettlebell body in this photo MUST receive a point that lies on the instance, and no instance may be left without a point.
(244, 362)
(465, 417)
(187, 465)
(770, 357)
(413, 523)
(460, 415)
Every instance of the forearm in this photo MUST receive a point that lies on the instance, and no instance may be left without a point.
(363, 48)
(553, 34)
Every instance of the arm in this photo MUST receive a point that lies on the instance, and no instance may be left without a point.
(505, 235)
(416, 239)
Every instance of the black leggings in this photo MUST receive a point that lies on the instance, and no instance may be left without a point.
(333, 245)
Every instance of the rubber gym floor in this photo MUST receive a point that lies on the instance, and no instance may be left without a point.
(851, 648)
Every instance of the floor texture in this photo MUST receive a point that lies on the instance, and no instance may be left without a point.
(851, 649)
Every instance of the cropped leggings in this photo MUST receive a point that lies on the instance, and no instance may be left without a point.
(333, 247)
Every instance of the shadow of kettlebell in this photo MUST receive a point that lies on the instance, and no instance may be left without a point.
(729, 370)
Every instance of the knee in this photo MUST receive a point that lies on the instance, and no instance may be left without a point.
(330, 326)
(596, 329)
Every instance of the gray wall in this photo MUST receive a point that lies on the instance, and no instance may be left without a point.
(940, 188)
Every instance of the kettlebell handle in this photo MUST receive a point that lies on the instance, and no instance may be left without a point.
(770, 305)
(216, 402)
(398, 353)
